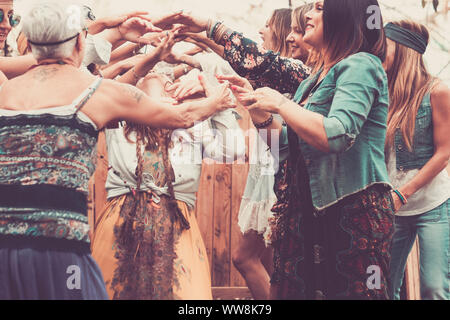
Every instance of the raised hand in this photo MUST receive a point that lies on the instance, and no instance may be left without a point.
(221, 94)
(264, 99)
(153, 37)
(101, 24)
(190, 23)
(165, 22)
(164, 49)
(236, 82)
(185, 89)
(135, 28)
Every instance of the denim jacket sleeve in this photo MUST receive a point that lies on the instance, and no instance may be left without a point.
(357, 84)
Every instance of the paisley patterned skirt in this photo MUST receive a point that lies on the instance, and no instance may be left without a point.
(155, 259)
(340, 253)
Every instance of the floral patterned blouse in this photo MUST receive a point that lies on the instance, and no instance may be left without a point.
(263, 67)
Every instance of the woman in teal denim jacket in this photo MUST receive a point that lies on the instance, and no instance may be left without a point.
(334, 220)
(418, 151)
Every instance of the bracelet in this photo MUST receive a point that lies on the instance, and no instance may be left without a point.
(264, 124)
(208, 28)
(401, 196)
(214, 28)
(220, 32)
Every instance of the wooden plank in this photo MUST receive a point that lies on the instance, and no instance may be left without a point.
(97, 191)
(239, 174)
(100, 176)
(221, 238)
(231, 293)
(91, 207)
(205, 206)
(412, 273)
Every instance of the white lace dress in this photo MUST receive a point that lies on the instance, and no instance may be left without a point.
(259, 197)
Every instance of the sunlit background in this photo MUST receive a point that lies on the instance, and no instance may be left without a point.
(248, 16)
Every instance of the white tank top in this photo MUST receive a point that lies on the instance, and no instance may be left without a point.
(430, 196)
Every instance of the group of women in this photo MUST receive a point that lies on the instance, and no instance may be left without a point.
(362, 132)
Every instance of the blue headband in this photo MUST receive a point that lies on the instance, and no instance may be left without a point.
(406, 37)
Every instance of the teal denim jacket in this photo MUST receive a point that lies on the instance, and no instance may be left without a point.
(353, 98)
(423, 142)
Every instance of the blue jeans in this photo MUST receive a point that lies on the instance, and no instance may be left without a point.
(433, 229)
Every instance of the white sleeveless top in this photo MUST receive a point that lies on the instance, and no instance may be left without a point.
(430, 196)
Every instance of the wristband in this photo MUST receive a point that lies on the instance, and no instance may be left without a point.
(264, 124)
(213, 29)
(401, 197)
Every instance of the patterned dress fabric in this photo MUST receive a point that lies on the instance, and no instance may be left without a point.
(329, 254)
(262, 67)
(46, 159)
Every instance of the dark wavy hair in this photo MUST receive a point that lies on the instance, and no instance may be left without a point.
(346, 30)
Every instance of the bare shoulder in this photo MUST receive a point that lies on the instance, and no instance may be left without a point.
(440, 103)
(440, 95)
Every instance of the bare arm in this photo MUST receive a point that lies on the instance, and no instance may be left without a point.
(124, 52)
(3, 78)
(440, 101)
(16, 66)
(149, 61)
(201, 40)
(125, 102)
(112, 71)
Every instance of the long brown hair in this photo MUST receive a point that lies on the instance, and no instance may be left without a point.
(280, 25)
(409, 81)
(345, 30)
(299, 15)
(152, 140)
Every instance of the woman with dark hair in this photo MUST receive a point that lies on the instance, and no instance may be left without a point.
(334, 217)
(418, 151)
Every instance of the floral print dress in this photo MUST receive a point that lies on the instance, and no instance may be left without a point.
(264, 68)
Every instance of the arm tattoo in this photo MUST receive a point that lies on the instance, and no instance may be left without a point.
(133, 92)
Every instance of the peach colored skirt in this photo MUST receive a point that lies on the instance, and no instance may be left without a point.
(191, 274)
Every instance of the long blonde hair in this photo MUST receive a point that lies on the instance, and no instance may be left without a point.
(409, 81)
